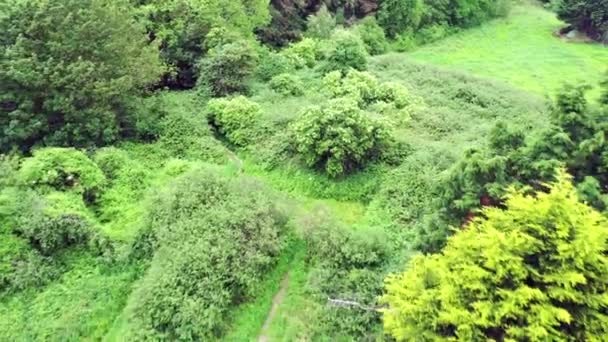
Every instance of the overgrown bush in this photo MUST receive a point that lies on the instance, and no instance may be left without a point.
(226, 68)
(235, 119)
(347, 52)
(533, 271)
(372, 35)
(339, 138)
(590, 17)
(185, 29)
(346, 266)
(303, 53)
(213, 240)
(61, 169)
(392, 100)
(84, 99)
(189, 136)
(287, 85)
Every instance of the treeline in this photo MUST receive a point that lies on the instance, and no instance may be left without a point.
(73, 73)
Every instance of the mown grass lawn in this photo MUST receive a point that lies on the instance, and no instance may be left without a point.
(521, 50)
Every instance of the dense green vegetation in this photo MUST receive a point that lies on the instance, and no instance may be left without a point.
(253, 170)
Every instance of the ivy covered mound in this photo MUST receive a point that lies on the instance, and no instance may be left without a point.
(535, 271)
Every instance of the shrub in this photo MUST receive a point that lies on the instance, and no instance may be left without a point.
(533, 271)
(226, 68)
(347, 265)
(111, 161)
(84, 100)
(50, 235)
(186, 30)
(235, 118)
(303, 53)
(287, 84)
(348, 51)
(338, 138)
(214, 240)
(190, 137)
(320, 25)
(372, 35)
(61, 169)
(590, 17)
(272, 64)
(390, 99)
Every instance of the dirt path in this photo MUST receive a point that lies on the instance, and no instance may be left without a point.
(276, 301)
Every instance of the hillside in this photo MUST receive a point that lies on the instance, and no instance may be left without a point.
(288, 193)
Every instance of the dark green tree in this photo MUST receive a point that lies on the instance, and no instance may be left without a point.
(182, 28)
(68, 71)
(589, 16)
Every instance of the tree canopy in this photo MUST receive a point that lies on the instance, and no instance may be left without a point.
(534, 271)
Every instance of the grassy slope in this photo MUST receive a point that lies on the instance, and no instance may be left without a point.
(521, 50)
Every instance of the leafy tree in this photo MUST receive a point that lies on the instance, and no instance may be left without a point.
(226, 68)
(398, 15)
(183, 29)
(534, 271)
(576, 140)
(347, 52)
(68, 71)
(339, 138)
(589, 16)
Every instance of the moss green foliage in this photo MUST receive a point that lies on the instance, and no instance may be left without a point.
(235, 119)
(213, 239)
(227, 67)
(533, 271)
(184, 29)
(287, 85)
(372, 35)
(72, 93)
(590, 17)
(339, 138)
(347, 51)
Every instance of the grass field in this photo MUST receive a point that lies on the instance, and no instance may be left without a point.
(521, 50)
